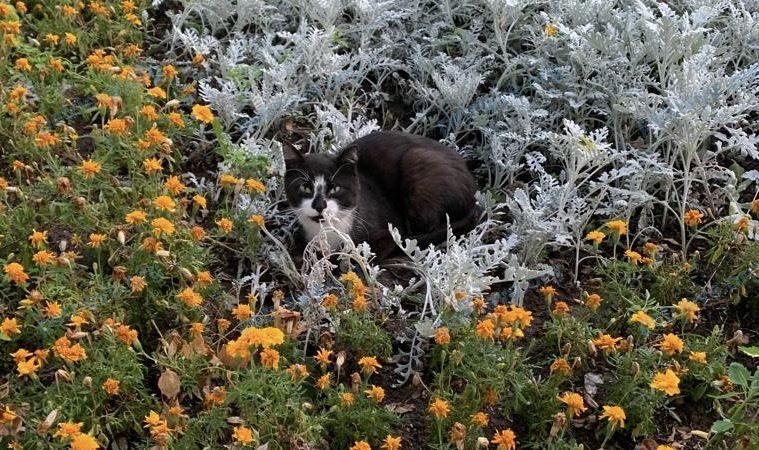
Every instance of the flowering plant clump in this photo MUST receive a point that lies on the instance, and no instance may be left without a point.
(153, 292)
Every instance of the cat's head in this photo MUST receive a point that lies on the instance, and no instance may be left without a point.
(319, 185)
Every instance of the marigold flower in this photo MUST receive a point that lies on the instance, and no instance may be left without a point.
(155, 136)
(23, 65)
(485, 329)
(263, 337)
(111, 386)
(64, 349)
(561, 309)
(442, 336)
(204, 278)
(593, 301)
(10, 326)
(375, 393)
(323, 381)
(297, 371)
(606, 343)
(197, 232)
(270, 358)
(257, 220)
(664, 447)
(84, 442)
(698, 357)
(164, 203)
(242, 311)
(644, 319)
(52, 310)
(329, 301)
(547, 292)
(667, 382)
(480, 419)
(243, 435)
(190, 298)
(633, 256)
(617, 226)
(27, 368)
(43, 258)
(550, 30)
(176, 119)
(135, 217)
(15, 272)
(439, 408)
(650, 249)
(225, 225)
(96, 240)
(596, 236)
(157, 92)
(671, 344)
(347, 399)
(202, 113)
(137, 283)
(574, 403)
(615, 415)
(687, 309)
(561, 365)
(69, 429)
(359, 303)
(117, 127)
(126, 334)
(255, 185)
(391, 443)
(322, 357)
(360, 445)
(742, 224)
(506, 439)
(369, 364)
(7, 416)
(199, 200)
(693, 217)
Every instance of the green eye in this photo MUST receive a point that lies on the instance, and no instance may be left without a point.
(335, 189)
(304, 189)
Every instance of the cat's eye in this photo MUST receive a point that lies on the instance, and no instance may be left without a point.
(335, 189)
(305, 189)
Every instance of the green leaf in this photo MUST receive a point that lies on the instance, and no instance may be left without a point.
(750, 351)
(738, 374)
(722, 426)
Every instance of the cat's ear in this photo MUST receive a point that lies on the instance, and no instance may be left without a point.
(292, 155)
(348, 155)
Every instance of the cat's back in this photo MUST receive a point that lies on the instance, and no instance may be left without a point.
(429, 179)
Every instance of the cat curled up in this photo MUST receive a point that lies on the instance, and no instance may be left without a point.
(385, 177)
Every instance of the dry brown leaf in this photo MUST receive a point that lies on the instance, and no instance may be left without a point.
(46, 424)
(169, 384)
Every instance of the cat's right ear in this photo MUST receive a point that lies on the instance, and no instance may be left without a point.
(292, 155)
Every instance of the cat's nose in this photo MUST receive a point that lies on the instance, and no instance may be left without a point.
(319, 203)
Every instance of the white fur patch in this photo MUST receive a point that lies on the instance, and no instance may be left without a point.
(338, 218)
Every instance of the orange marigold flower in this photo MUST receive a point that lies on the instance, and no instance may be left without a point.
(164, 203)
(671, 344)
(667, 382)
(52, 310)
(204, 278)
(199, 200)
(243, 435)
(255, 185)
(176, 119)
(485, 329)
(633, 256)
(38, 238)
(593, 301)
(257, 220)
(157, 92)
(225, 225)
(242, 312)
(347, 398)
(126, 334)
(439, 408)
(547, 291)
(687, 309)
(561, 309)
(10, 326)
(323, 381)
(442, 336)
(149, 112)
(360, 445)
(480, 419)
(111, 386)
(202, 113)
(369, 364)
(96, 240)
(162, 225)
(644, 319)
(116, 127)
(574, 403)
(506, 439)
(359, 303)
(23, 65)
(15, 272)
(69, 429)
(391, 443)
(297, 371)
(135, 217)
(43, 258)
(375, 393)
(617, 226)
(329, 301)
(137, 283)
(190, 298)
(550, 30)
(606, 343)
(197, 232)
(615, 415)
(698, 357)
(693, 217)
(90, 168)
(322, 357)
(270, 358)
(561, 365)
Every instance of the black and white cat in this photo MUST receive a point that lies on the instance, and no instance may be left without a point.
(385, 177)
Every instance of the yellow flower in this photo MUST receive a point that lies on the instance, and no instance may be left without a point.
(671, 344)
(264, 337)
(135, 217)
(664, 447)
(52, 310)
(322, 357)
(111, 386)
(634, 256)
(668, 382)
(257, 220)
(23, 65)
(439, 408)
(126, 334)
(157, 92)
(242, 311)
(116, 127)
(698, 357)
(176, 119)
(617, 226)
(243, 435)
(506, 439)
(199, 200)
(43, 258)
(162, 225)
(205, 278)
(202, 113)
(69, 429)
(152, 165)
(574, 403)
(615, 415)
(550, 30)
(606, 343)
(89, 168)
(164, 202)
(485, 329)
(442, 336)
(69, 39)
(596, 236)
(225, 224)
(650, 249)
(347, 398)
(547, 292)
(297, 371)
(391, 443)
(27, 368)
(96, 240)
(270, 358)
(323, 381)
(84, 442)
(360, 445)
(375, 393)
(687, 309)
(227, 180)
(190, 298)
(561, 365)
(644, 319)
(329, 301)
(561, 309)
(480, 419)
(593, 301)
(137, 283)
(693, 217)
(369, 364)
(197, 232)
(255, 185)
(359, 303)
(149, 112)
(10, 326)
(169, 71)
(15, 272)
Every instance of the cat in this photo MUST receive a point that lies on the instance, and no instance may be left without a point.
(410, 181)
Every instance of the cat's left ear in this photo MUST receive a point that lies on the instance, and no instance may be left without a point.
(349, 155)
